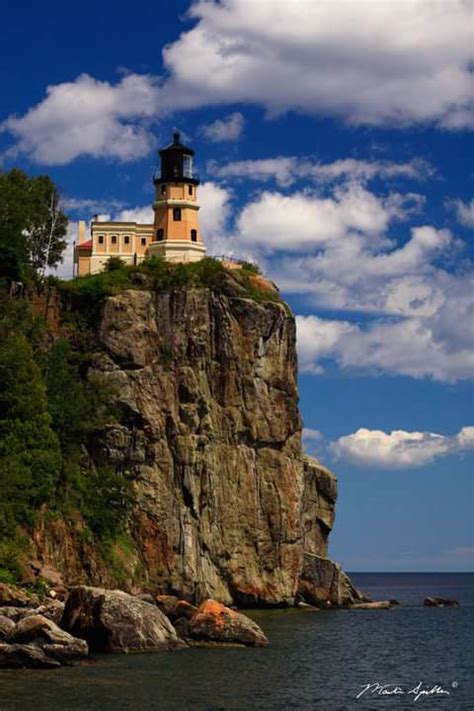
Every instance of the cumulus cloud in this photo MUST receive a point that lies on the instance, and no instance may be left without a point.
(342, 253)
(311, 435)
(276, 221)
(464, 211)
(89, 205)
(286, 170)
(399, 449)
(367, 62)
(227, 129)
(87, 117)
(406, 346)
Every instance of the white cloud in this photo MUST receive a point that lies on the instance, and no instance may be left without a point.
(406, 346)
(64, 269)
(89, 205)
(293, 222)
(338, 252)
(464, 211)
(367, 62)
(87, 116)
(311, 435)
(227, 129)
(399, 449)
(286, 170)
(465, 438)
(143, 215)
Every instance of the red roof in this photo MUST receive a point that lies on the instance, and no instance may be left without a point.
(85, 245)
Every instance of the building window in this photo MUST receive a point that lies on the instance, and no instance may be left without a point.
(160, 234)
(101, 239)
(114, 239)
(190, 189)
(187, 166)
(126, 239)
(163, 189)
(194, 235)
(143, 241)
(177, 214)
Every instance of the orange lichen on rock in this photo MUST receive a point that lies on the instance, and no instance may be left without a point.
(262, 283)
(216, 623)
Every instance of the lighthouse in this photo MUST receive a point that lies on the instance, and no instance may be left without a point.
(176, 234)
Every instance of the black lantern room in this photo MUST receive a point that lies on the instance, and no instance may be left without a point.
(176, 163)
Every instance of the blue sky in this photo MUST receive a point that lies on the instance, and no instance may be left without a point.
(334, 145)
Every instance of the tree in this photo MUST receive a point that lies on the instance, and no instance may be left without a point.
(32, 225)
(30, 455)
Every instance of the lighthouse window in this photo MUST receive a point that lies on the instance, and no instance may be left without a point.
(163, 189)
(143, 241)
(126, 239)
(101, 239)
(114, 239)
(160, 234)
(177, 214)
(190, 189)
(187, 166)
(194, 235)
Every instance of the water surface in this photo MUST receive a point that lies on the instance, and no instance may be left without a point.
(315, 661)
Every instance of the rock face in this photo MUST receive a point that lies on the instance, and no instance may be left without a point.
(227, 507)
(112, 620)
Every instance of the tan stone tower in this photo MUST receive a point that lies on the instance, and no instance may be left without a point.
(176, 235)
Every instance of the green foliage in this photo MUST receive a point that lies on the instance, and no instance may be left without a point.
(30, 456)
(78, 405)
(85, 296)
(114, 264)
(32, 226)
(6, 576)
(250, 268)
(105, 498)
(121, 556)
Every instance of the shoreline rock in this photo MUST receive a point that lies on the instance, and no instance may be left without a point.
(114, 621)
(217, 624)
(440, 602)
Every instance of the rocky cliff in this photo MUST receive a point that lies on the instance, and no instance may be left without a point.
(225, 503)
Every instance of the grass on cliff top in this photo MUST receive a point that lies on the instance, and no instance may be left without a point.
(88, 293)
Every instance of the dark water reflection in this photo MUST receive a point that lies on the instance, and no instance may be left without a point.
(315, 661)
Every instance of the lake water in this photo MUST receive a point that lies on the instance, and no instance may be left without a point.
(315, 661)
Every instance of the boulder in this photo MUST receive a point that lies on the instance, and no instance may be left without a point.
(215, 623)
(16, 597)
(184, 609)
(440, 602)
(166, 603)
(174, 608)
(324, 584)
(112, 620)
(15, 613)
(6, 626)
(52, 610)
(55, 642)
(25, 656)
(306, 606)
(376, 605)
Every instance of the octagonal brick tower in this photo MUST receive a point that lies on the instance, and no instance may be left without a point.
(177, 237)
